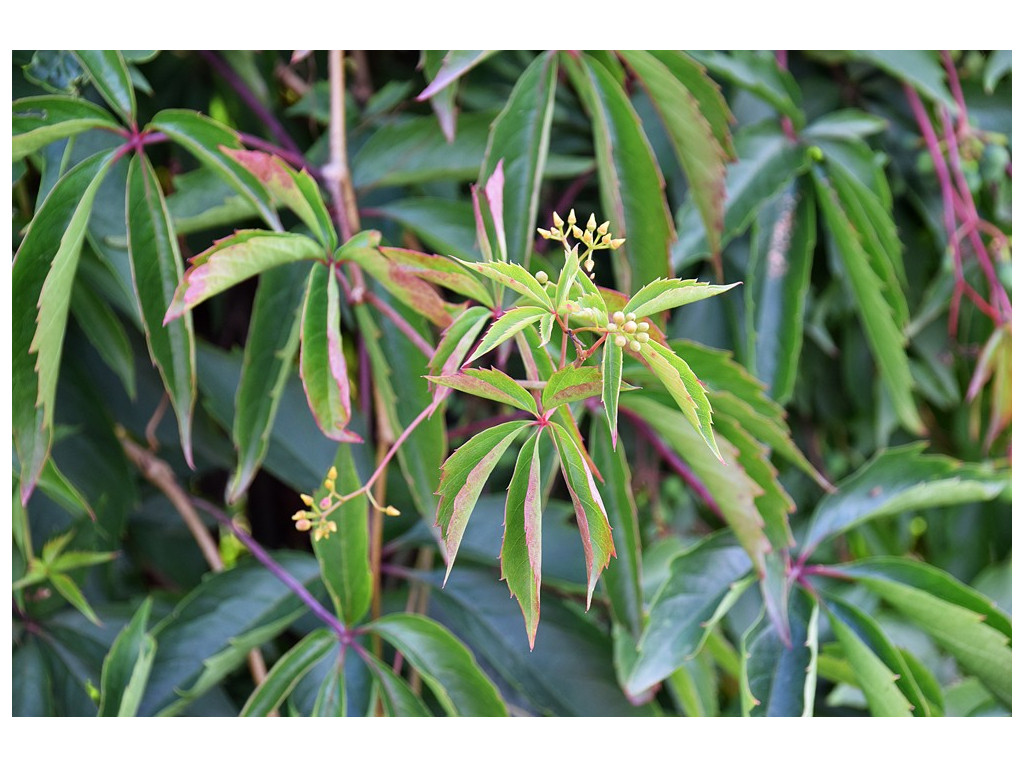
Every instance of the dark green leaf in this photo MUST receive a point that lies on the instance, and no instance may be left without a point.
(270, 348)
(41, 279)
(632, 187)
(109, 73)
(446, 665)
(288, 671)
(921, 69)
(899, 480)
(998, 65)
(519, 140)
(156, 273)
(757, 72)
(699, 580)
(39, 120)
(398, 698)
(454, 65)
(127, 666)
(105, 332)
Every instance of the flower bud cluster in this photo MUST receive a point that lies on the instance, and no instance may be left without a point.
(316, 517)
(624, 329)
(592, 237)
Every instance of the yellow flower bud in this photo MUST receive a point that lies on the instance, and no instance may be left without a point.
(557, 219)
(572, 216)
(617, 242)
(555, 233)
(332, 473)
(332, 526)
(544, 233)
(589, 265)
(591, 223)
(577, 232)
(329, 484)
(390, 511)
(300, 515)
(307, 500)
(606, 240)
(588, 238)
(603, 228)
(318, 534)
(303, 525)
(620, 341)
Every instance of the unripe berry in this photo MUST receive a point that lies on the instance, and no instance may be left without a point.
(618, 317)
(634, 345)
(542, 277)
(612, 327)
(629, 327)
(642, 337)
(620, 341)
(631, 315)
(643, 326)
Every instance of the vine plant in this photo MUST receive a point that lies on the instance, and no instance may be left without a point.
(554, 351)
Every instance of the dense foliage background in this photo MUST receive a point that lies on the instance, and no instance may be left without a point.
(838, 331)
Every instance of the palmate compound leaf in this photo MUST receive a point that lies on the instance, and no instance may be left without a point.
(521, 544)
(591, 517)
(41, 282)
(462, 480)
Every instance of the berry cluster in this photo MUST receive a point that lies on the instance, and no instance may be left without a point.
(626, 330)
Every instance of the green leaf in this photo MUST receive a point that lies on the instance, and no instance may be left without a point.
(731, 488)
(591, 517)
(212, 628)
(845, 125)
(270, 348)
(109, 73)
(699, 580)
(288, 671)
(40, 120)
(757, 72)
(981, 649)
(398, 698)
(569, 385)
(693, 139)
(999, 63)
(454, 65)
(662, 295)
(444, 663)
(457, 340)
(439, 271)
(41, 281)
(519, 143)
(685, 388)
(156, 271)
(875, 677)
(566, 279)
(623, 579)
(462, 480)
(127, 666)
(778, 279)
(886, 340)
(204, 138)
(413, 151)
(506, 326)
(611, 384)
(322, 359)
(874, 222)
(899, 480)
(780, 678)
(56, 486)
(521, 543)
(632, 188)
(513, 276)
(768, 162)
(236, 258)
(402, 283)
(69, 590)
(694, 76)
(493, 384)
(921, 69)
(344, 556)
(296, 190)
(105, 332)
